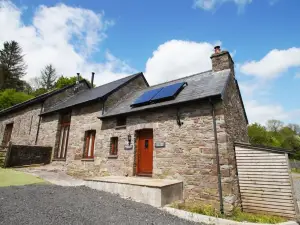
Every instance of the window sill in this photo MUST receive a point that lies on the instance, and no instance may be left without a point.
(88, 160)
(120, 127)
(63, 160)
(112, 156)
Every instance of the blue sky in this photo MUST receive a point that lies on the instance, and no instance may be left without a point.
(167, 39)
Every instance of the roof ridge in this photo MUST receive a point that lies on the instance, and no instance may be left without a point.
(132, 75)
(180, 78)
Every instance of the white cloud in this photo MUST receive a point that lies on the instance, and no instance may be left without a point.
(176, 58)
(64, 36)
(273, 64)
(260, 113)
(213, 4)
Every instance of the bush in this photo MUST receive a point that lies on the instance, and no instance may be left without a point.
(10, 97)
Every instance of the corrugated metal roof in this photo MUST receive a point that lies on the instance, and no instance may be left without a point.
(199, 86)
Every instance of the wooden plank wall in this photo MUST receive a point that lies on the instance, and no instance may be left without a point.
(265, 182)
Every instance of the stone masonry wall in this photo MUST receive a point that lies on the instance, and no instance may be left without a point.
(189, 154)
(64, 95)
(25, 125)
(86, 118)
(83, 119)
(136, 84)
(26, 121)
(236, 122)
(48, 130)
(236, 129)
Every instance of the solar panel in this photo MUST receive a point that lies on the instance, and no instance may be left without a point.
(168, 92)
(146, 97)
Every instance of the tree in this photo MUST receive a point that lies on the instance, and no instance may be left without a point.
(12, 66)
(295, 128)
(65, 81)
(11, 97)
(38, 92)
(258, 135)
(48, 77)
(274, 125)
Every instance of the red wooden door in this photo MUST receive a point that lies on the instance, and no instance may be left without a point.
(145, 152)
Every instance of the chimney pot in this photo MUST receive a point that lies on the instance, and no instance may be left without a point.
(78, 77)
(217, 49)
(92, 80)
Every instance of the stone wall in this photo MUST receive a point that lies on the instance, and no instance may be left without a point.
(236, 130)
(20, 155)
(134, 85)
(222, 61)
(64, 95)
(49, 128)
(188, 155)
(25, 124)
(236, 121)
(86, 118)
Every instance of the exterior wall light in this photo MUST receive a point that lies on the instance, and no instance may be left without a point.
(129, 139)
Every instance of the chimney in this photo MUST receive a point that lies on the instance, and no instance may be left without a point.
(221, 60)
(92, 79)
(78, 78)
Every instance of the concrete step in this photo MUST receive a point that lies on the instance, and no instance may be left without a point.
(155, 192)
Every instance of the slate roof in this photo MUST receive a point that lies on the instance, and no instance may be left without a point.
(93, 93)
(201, 85)
(37, 99)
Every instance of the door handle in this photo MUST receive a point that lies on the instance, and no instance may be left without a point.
(146, 144)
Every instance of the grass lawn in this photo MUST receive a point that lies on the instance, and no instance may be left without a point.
(237, 214)
(9, 177)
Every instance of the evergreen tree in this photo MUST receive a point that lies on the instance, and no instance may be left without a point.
(12, 66)
(48, 77)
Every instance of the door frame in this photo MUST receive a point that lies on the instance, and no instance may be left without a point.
(137, 151)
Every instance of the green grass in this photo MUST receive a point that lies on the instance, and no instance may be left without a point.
(9, 177)
(237, 214)
(295, 170)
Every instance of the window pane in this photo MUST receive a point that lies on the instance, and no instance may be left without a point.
(90, 145)
(64, 147)
(60, 141)
(114, 146)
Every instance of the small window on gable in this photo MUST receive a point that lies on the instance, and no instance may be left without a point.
(113, 146)
(89, 144)
(121, 121)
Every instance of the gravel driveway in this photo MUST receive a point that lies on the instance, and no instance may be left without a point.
(50, 204)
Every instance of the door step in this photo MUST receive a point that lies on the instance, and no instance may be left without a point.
(155, 192)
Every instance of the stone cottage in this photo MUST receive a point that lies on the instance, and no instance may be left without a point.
(183, 129)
